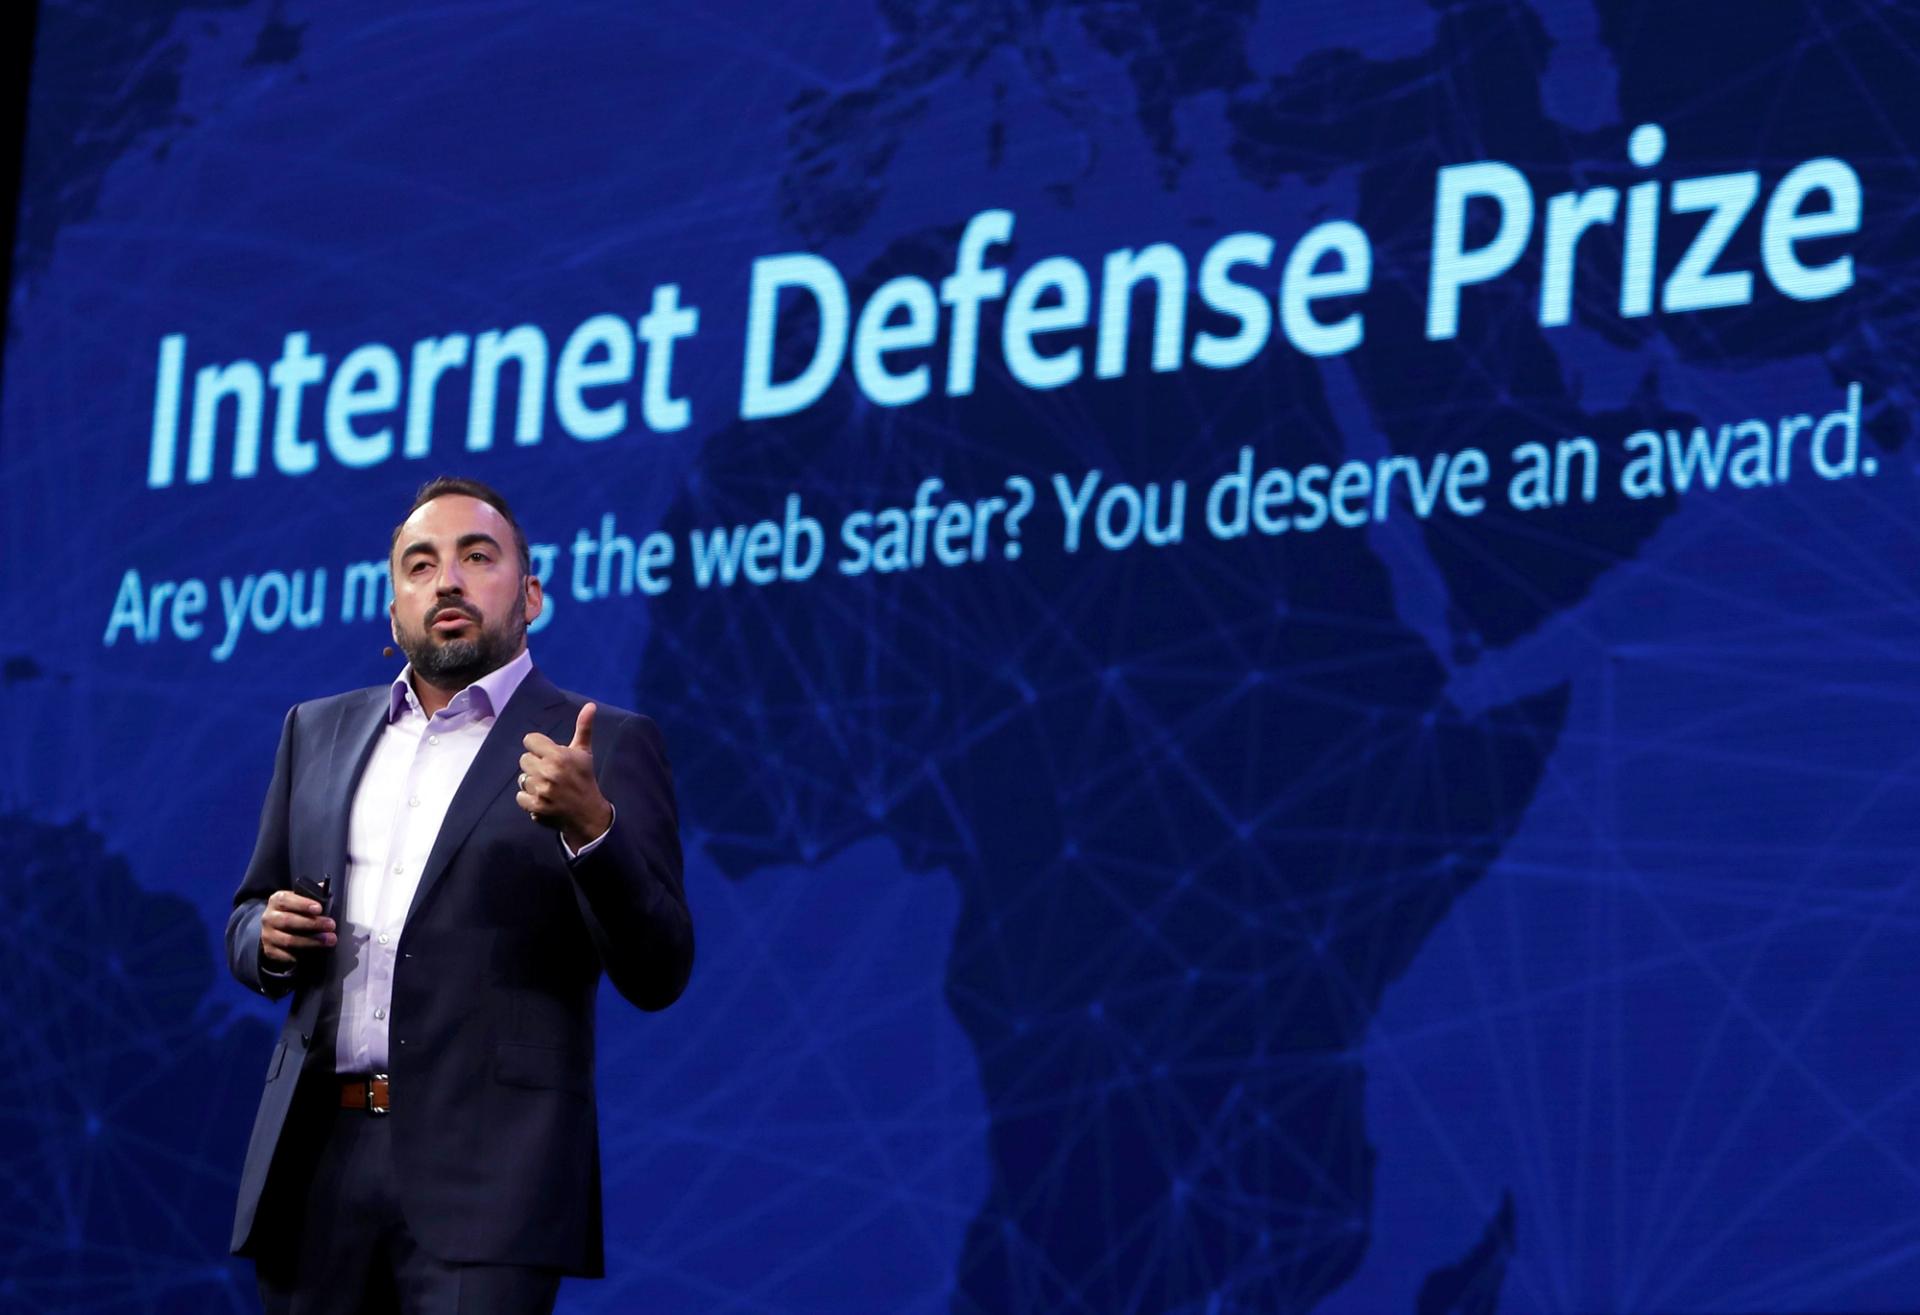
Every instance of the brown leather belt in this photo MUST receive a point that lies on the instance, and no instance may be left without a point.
(365, 1091)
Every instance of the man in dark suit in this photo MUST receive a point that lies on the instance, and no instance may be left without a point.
(481, 845)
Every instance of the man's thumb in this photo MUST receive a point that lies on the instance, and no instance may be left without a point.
(583, 729)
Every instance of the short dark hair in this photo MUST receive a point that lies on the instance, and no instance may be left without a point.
(458, 486)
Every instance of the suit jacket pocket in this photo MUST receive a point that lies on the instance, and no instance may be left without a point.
(544, 1067)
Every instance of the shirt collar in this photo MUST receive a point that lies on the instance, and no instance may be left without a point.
(483, 698)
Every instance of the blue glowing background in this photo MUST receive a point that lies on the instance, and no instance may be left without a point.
(1512, 913)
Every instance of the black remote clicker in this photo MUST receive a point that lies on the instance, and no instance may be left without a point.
(320, 892)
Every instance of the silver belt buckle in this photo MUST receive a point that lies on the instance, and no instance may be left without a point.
(373, 1105)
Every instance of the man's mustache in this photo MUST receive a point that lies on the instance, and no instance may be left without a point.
(453, 609)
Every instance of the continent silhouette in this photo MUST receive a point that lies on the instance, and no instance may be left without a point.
(129, 1110)
(1204, 803)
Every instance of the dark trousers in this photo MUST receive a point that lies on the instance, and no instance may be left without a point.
(337, 1243)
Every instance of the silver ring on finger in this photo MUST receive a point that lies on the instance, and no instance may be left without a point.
(523, 782)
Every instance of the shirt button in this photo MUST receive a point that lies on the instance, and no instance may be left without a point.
(397, 869)
(379, 1012)
(433, 739)
(384, 938)
(414, 802)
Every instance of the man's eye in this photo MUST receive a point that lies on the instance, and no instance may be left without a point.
(478, 557)
(416, 568)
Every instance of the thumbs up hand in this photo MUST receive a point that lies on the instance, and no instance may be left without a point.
(558, 787)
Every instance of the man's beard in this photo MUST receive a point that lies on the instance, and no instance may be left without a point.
(455, 663)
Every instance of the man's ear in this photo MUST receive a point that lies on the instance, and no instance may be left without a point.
(536, 598)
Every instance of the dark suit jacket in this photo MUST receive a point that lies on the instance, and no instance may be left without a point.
(491, 1037)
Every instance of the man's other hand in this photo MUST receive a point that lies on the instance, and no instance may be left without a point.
(558, 787)
(292, 922)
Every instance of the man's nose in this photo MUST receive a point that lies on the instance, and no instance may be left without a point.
(451, 581)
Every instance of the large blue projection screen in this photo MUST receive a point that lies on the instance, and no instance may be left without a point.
(1288, 634)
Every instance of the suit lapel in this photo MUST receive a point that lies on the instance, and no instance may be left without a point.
(354, 736)
(494, 768)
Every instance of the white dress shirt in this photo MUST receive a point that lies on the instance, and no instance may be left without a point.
(417, 764)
